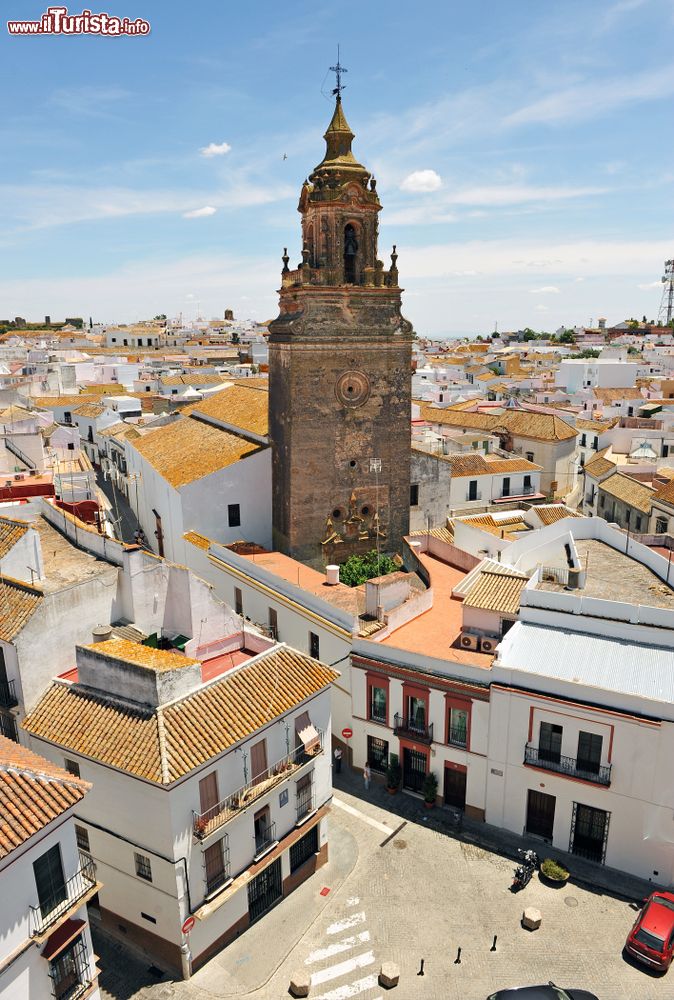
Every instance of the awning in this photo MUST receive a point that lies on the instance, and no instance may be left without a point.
(61, 938)
(306, 732)
(519, 496)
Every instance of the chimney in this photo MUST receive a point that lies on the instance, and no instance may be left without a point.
(101, 633)
(332, 575)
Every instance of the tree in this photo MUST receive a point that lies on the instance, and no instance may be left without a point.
(358, 569)
(529, 334)
(161, 316)
(567, 337)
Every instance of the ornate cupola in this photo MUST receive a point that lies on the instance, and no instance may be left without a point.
(340, 372)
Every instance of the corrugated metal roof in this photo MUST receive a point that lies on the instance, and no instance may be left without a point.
(596, 661)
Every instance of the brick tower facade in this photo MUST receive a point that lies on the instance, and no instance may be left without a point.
(340, 374)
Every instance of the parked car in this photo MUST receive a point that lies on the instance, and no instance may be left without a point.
(549, 992)
(651, 940)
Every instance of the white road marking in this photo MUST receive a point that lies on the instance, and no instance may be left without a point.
(342, 968)
(382, 827)
(352, 990)
(344, 925)
(337, 947)
(352, 901)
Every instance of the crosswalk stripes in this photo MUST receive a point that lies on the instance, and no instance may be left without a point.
(342, 958)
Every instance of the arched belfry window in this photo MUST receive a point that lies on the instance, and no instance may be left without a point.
(350, 254)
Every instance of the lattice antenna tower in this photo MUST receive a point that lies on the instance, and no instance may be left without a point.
(667, 301)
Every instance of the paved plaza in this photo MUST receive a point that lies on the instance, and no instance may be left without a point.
(405, 886)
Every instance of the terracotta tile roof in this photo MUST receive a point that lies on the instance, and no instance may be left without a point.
(33, 792)
(596, 425)
(540, 426)
(550, 514)
(477, 465)
(169, 742)
(140, 655)
(242, 406)
(443, 534)
(188, 449)
(51, 402)
(616, 395)
(120, 430)
(599, 465)
(211, 379)
(10, 533)
(496, 592)
(666, 492)
(195, 538)
(629, 491)
(18, 604)
(503, 527)
(89, 410)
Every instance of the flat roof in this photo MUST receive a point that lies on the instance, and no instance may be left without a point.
(351, 599)
(63, 563)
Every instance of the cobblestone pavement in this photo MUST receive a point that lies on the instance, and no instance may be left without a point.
(417, 892)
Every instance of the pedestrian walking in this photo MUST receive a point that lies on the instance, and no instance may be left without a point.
(367, 774)
(338, 760)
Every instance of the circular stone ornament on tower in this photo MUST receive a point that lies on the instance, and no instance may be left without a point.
(353, 388)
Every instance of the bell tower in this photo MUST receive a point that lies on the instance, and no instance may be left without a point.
(340, 373)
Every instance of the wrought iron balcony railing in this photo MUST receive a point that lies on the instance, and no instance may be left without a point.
(458, 737)
(8, 697)
(62, 898)
(587, 770)
(203, 824)
(412, 728)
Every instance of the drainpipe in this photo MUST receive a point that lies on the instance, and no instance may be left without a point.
(186, 959)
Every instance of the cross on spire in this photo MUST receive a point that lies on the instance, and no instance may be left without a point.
(338, 70)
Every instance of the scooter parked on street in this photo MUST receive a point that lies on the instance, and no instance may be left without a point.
(524, 871)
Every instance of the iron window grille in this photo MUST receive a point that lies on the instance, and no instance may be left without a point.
(82, 836)
(304, 849)
(70, 973)
(589, 832)
(377, 754)
(143, 867)
(216, 865)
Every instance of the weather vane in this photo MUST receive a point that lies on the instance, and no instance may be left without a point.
(338, 70)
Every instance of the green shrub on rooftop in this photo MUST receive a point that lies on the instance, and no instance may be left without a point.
(358, 569)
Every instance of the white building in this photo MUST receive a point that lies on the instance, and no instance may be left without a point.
(210, 780)
(583, 373)
(46, 880)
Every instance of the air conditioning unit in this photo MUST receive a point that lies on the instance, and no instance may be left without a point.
(19, 476)
(468, 641)
(488, 644)
(34, 472)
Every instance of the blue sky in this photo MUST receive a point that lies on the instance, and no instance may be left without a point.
(523, 153)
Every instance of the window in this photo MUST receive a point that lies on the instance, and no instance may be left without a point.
(661, 526)
(234, 515)
(377, 754)
(208, 793)
(472, 489)
(527, 482)
(49, 880)
(273, 622)
(67, 417)
(601, 499)
(238, 601)
(665, 450)
(506, 486)
(216, 865)
(414, 495)
(82, 835)
(69, 972)
(630, 411)
(143, 867)
(72, 767)
(637, 525)
(258, 760)
(595, 442)
(302, 850)
(529, 456)
(378, 699)
(458, 727)
(589, 752)
(314, 645)
(263, 830)
(416, 713)
(582, 440)
(550, 742)
(304, 796)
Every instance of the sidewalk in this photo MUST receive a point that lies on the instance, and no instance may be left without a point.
(491, 838)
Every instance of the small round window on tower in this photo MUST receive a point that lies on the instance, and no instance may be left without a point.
(336, 514)
(352, 463)
(365, 510)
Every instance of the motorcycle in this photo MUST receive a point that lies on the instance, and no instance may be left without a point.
(524, 871)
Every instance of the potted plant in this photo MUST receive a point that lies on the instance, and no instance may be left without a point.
(553, 873)
(430, 790)
(393, 774)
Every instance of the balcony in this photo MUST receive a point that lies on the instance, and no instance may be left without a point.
(412, 729)
(598, 774)
(472, 497)
(63, 898)
(265, 838)
(203, 824)
(458, 737)
(8, 697)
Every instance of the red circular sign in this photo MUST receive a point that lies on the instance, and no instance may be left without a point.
(188, 925)
(347, 733)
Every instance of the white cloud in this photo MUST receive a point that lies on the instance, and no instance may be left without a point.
(200, 213)
(422, 181)
(545, 290)
(649, 284)
(215, 149)
(595, 97)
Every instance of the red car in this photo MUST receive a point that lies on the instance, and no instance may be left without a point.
(651, 940)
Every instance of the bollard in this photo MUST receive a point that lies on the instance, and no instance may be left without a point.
(457, 960)
(421, 970)
(493, 947)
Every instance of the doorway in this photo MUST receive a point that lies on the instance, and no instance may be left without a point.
(455, 788)
(589, 832)
(540, 814)
(264, 891)
(414, 769)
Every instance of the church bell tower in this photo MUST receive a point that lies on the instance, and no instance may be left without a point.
(340, 373)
